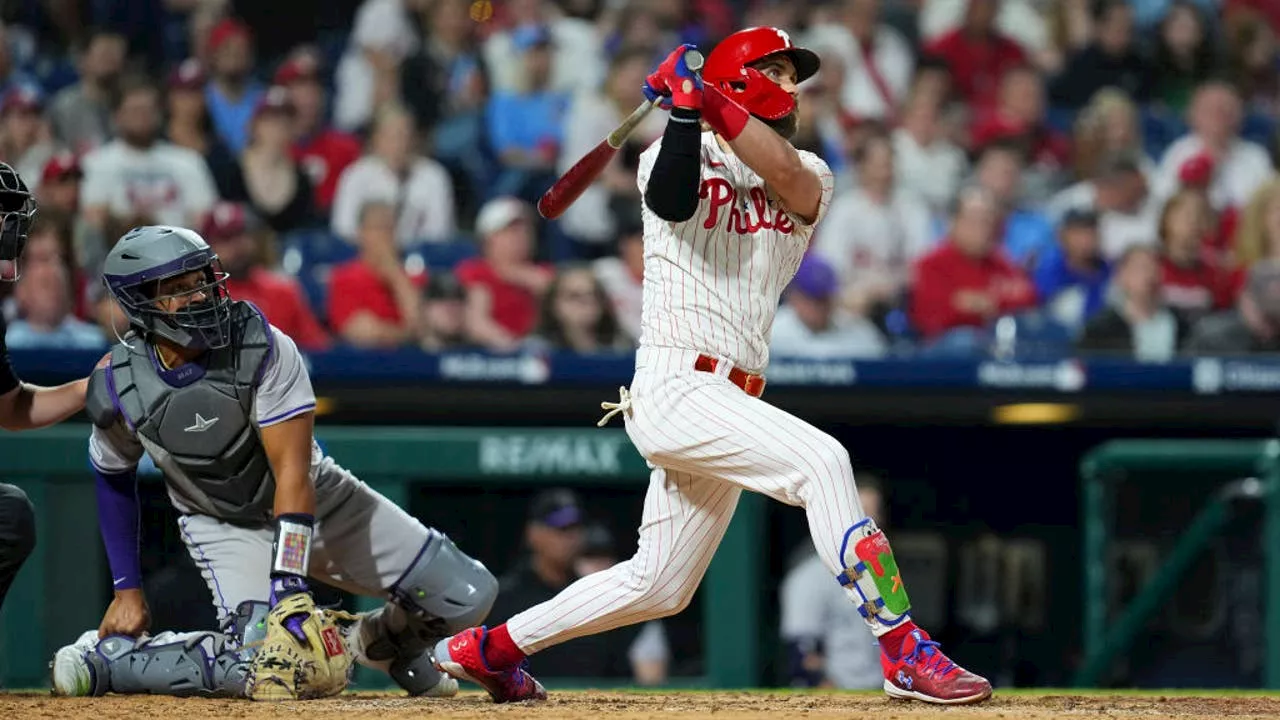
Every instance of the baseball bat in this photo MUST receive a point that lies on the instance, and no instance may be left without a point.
(570, 186)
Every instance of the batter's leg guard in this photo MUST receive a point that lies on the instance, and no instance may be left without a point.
(871, 575)
(444, 591)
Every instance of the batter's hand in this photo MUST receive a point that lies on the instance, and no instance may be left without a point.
(127, 615)
(675, 82)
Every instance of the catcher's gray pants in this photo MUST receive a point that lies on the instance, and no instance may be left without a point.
(363, 544)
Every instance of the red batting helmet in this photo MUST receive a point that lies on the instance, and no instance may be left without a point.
(726, 69)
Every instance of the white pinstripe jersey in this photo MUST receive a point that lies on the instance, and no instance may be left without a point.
(713, 282)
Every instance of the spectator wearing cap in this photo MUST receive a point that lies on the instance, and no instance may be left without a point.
(269, 180)
(554, 536)
(874, 232)
(396, 173)
(1071, 279)
(373, 301)
(81, 113)
(591, 116)
(24, 133)
(621, 273)
(649, 654)
(1135, 323)
(444, 307)
(229, 230)
(966, 283)
(323, 151)
(1111, 59)
(1195, 282)
(232, 93)
(576, 316)
(525, 126)
(978, 54)
(1118, 194)
(1025, 232)
(1252, 326)
(811, 323)
(925, 160)
(876, 59)
(1019, 117)
(138, 175)
(189, 125)
(1239, 167)
(504, 285)
(60, 183)
(368, 75)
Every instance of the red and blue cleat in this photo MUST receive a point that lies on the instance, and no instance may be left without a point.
(923, 673)
(462, 656)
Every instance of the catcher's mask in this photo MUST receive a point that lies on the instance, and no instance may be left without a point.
(169, 284)
(17, 208)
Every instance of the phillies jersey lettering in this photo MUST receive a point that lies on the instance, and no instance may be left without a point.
(712, 283)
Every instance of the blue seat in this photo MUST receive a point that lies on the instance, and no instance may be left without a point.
(1039, 336)
(440, 256)
(1259, 128)
(1159, 129)
(310, 256)
(1061, 119)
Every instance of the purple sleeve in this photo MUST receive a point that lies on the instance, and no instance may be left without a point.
(118, 520)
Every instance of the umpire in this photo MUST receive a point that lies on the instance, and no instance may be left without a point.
(22, 406)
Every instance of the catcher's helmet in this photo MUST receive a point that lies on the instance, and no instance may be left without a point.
(147, 255)
(726, 69)
(17, 208)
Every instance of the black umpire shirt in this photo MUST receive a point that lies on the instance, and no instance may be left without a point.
(8, 380)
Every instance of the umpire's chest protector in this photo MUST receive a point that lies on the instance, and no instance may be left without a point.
(196, 422)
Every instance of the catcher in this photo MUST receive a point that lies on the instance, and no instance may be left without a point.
(223, 404)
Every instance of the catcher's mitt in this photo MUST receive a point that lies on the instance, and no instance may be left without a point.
(302, 657)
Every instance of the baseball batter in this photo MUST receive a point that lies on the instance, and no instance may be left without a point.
(223, 404)
(729, 210)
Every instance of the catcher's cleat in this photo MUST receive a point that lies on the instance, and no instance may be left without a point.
(70, 672)
(923, 673)
(462, 656)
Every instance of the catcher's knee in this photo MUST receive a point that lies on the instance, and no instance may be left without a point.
(446, 587)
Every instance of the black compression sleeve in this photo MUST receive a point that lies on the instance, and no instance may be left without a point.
(8, 380)
(672, 191)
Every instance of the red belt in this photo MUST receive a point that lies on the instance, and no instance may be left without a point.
(750, 383)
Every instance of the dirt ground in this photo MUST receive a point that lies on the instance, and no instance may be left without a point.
(589, 705)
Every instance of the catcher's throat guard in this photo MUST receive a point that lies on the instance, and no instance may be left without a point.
(871, 575)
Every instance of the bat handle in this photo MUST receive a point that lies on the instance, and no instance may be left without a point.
(693, 60)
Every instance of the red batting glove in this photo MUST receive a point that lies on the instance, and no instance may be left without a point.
(673, 78)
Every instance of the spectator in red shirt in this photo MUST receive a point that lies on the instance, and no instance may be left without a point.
(966, 283)
(322, 151)
(373, 302)
(1020, 116)
(977, 54)
(1194, 281)
(229, 231)
(504, 286)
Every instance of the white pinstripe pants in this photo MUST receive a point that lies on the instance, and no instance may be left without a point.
(706, 441)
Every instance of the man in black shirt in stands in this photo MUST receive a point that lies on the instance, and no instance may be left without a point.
(22, 406)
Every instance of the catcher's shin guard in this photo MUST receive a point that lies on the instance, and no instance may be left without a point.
(180, 664)
(872, 577)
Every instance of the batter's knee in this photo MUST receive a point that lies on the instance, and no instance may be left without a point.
(664, 594)
(446, 586)
(17, 523)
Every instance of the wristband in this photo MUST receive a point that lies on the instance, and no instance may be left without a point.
(725, 116)
(291, 549)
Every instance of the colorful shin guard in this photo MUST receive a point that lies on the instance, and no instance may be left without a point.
(871, 572)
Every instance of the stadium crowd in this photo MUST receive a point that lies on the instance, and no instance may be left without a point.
(1077, 175)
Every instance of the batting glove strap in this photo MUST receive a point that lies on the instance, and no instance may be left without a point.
(725, 116)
